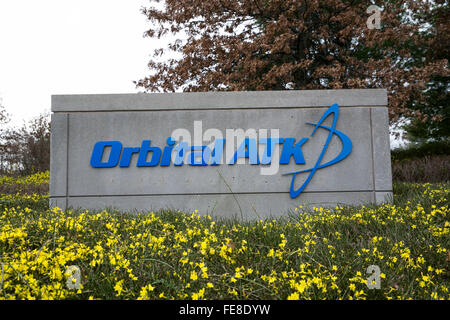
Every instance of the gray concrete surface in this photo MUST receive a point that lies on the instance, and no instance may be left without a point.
(79, 121)
(218, 100)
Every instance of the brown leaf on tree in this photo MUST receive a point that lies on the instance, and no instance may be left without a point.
(230, 45)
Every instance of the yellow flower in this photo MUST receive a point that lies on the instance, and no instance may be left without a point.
(294, 296)
(119, 287)
(194, 276)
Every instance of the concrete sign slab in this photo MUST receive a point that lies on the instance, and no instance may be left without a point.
(233, 154)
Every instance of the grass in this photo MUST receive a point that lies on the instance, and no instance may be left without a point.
(313, 253)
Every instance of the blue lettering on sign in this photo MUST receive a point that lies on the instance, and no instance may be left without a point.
(151, 156)
(114, 156)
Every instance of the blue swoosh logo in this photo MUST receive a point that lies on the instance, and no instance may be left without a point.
(346, 149)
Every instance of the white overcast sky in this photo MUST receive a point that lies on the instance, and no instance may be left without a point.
(68, 47)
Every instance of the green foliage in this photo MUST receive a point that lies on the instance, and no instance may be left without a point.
(430, 120)
(436, 106)
(414, 151)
